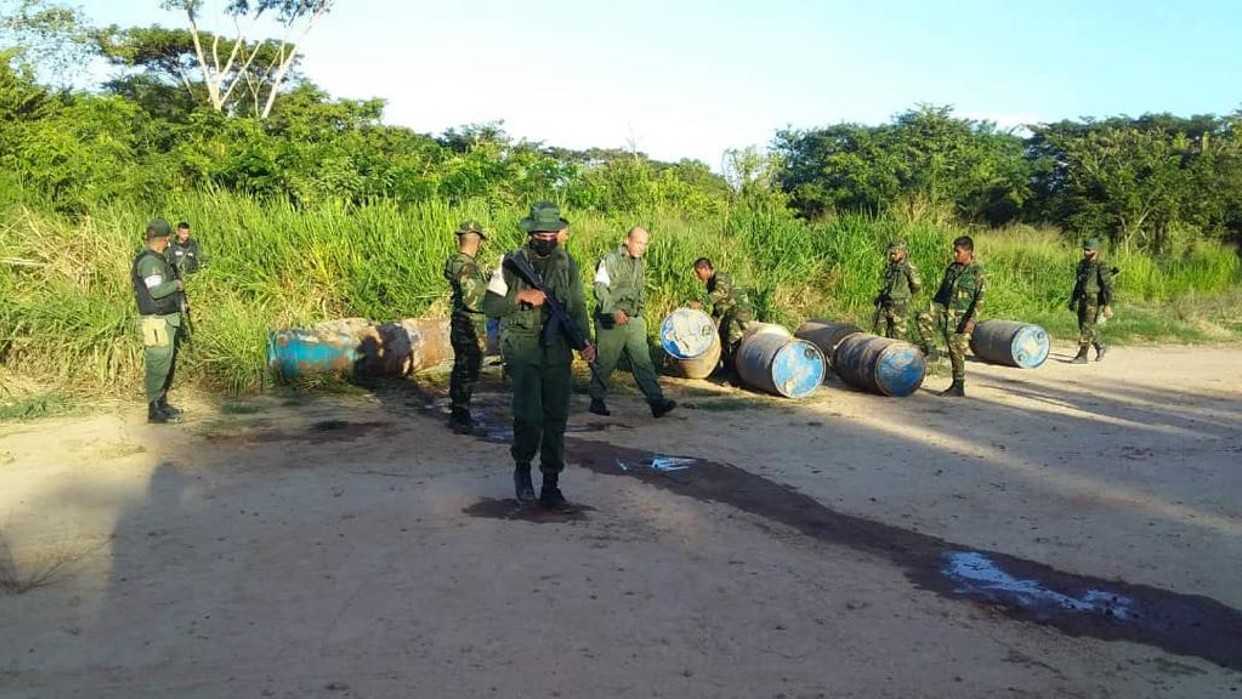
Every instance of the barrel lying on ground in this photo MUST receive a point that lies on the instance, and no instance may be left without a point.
(771, 359)
(880, 365)
(356, 346)
(690, 339)
(1011, 343)
(826, 334)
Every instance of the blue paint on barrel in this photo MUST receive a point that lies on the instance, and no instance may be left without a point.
(690, 339)
(778, 363)
(298, 353)
(1010, 343)
(880, 364)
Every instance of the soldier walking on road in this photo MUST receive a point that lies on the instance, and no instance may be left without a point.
(729, 305)
(538, 361)
(620, 328)
(469, 284)
(158, 292)
(956, 308)
(1092, 298)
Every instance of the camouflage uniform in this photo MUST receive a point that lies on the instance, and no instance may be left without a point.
(730, 306)
(469, 285)
(901, 284)
(958, 303)
(1093, 290)
(539, 366)
(619, 286)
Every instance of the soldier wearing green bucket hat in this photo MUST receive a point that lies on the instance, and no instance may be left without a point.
(469, 284)
(157, 290)
(1091, 299)
(539, 362)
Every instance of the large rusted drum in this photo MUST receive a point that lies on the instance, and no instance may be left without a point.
(880, 365)
(690, 339)
(773, 360)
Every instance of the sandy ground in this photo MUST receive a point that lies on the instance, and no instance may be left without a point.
(350, 546)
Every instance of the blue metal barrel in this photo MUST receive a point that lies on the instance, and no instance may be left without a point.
(296, 353)
(826, 334)
(880, 364)
(1011, 343)
(690, 339)
(772, 360)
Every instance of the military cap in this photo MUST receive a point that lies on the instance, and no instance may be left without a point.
(896, 245)
(471, 226)
(544, 217)
(158, 228)
(1091, 244)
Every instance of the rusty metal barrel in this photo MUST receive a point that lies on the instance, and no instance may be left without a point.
(690, 339)
(1010, 343)
(826, 334)
(879, 365)
(771, 359)
(356, 346)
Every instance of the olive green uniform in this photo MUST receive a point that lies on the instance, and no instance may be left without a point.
(619, 286)
(159, 309)
(469, 285)
(539, 362)
(1093, 289)
(958, 303)
(730, 306)
(901, 284)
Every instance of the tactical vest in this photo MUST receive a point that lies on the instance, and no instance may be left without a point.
(148, 306)
(530, 321)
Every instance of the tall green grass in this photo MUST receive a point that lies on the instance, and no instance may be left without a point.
(67, 315)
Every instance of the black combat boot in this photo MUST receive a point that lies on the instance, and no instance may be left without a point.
(170, 410)
(460, 421)
(662, 407)
(598, 407)
(522, 485)
(1100, 349)
(955, 390)
(550, 496)
(157, 416)
(1081, 357)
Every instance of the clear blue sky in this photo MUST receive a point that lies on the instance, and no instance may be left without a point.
(691, 78)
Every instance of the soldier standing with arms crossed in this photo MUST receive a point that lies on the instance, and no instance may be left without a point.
(955, 309)
(539, 361)
(469, 284)
(1091, 298)
(620, 327)
(158, 293)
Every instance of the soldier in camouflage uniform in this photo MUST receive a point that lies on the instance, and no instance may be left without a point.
(1091, 298)
(539, 362)
(469, 283)
(956, 308)
(729, 305)
(620, 329)
(901, 284)
(158, 291)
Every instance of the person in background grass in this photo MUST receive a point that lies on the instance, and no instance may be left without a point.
(620, 329)
(468, 284)
(956, 308)
(158, 290)
(183, 253)
(729, 306)
(1091, 298)
(539, 364)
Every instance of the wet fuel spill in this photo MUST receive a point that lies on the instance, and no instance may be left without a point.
(1076, 605)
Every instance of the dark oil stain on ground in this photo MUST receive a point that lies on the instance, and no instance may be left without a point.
(1074, 604)
(320, 432)
(491, 508)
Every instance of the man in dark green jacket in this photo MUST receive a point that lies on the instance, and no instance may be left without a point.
(956, 308)
(183, 252)
(539, 362)
(620, 328)
(469, 284)
(157, 290)
(1091, 298)
(729, 305)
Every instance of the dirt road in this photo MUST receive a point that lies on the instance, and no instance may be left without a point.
(1070, 531)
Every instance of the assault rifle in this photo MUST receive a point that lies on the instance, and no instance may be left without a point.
(183, 304)
(560, 321)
